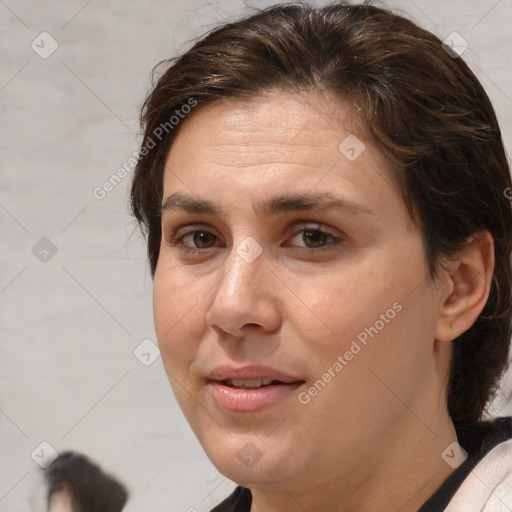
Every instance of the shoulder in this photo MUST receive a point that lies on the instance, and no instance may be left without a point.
(488, 487)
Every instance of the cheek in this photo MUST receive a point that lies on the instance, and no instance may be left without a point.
(344, 303)
(374, 312)
(179, 313)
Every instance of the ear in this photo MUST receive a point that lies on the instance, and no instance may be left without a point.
(467, 287)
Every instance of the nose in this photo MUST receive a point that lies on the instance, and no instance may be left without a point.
(246, 297)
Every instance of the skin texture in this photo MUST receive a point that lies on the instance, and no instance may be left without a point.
(372, 438)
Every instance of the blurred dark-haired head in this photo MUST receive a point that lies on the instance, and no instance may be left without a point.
(76, 484)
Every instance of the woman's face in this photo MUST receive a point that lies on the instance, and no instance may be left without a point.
(294, 251)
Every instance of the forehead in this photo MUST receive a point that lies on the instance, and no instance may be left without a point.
(275, 141)
(289, 125)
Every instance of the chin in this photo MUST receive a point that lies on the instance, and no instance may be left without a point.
(249, 460)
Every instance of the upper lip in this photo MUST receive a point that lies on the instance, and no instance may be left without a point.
(225, 372)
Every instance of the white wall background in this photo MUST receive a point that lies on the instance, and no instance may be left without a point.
(69, 325)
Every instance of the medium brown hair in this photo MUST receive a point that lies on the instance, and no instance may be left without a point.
(422, 107)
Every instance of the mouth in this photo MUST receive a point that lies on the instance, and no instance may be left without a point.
(252, 383)
(250, 388)
(251, 395)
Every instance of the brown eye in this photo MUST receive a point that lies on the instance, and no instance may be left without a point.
(203, 239)
(193, 240)
(313, 238)
(316, 238)
(200, 239)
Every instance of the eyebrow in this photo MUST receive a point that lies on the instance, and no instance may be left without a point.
(274, 205)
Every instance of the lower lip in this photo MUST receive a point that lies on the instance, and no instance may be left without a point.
(250, 400)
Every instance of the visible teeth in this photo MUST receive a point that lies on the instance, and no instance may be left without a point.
(249, 383)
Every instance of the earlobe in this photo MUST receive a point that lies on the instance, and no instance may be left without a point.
(468, 287)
